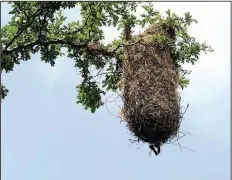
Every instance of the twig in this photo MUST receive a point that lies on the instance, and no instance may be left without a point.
(80, 29)
(18, 5)
(20, 31)
(99, 74)
(186, 148)
(184, 111)
(107, 106)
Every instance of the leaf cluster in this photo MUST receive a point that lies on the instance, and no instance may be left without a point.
(40, 27)
(183, 47)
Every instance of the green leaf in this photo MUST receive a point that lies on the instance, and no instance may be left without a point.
(40, 27)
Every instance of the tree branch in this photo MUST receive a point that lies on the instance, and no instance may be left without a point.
(80, 29)
(61, 42)
(20, 31)
(24, 12)
(39, 42)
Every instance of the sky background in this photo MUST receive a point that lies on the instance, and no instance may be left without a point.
(45, 135)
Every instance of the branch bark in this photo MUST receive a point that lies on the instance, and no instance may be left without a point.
(61, 42)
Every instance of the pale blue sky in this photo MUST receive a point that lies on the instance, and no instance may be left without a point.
(46, 135)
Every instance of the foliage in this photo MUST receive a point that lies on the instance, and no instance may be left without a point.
(4, 92)
(39, 27)
(183, 47)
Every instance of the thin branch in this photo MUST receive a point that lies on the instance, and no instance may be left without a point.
(184, 111)
(20, 31)
(21, 10)
(107, 106)
(185, 147)
(126, 45)
(39, 42)
(99, 75)
(80, 29)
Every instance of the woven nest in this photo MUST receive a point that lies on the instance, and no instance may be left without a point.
(151, 101)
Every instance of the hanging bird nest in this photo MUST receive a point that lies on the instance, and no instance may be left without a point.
(151, 101)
